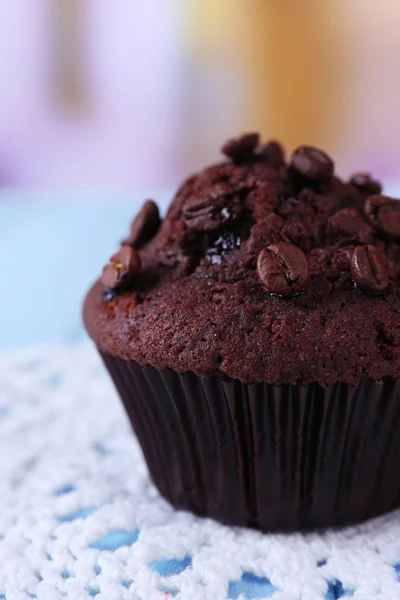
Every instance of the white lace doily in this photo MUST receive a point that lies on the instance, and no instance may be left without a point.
(79, 517)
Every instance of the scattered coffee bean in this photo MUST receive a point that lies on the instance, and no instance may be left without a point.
(383, 213)
(368, 269)
(241, 148)
(283, 269)
(144, 226)
(211, 211)
(312, 164)
(121, 269)
(272, 153)
(365, 183)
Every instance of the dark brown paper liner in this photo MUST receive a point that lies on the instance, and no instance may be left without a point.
(284, 458)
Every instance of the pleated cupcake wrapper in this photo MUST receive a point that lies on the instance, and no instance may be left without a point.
(282, 458)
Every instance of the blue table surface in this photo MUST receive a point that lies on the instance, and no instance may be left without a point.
(50, 252)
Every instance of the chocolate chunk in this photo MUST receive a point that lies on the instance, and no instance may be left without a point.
(283, 269)
(211, 210)
(368, 269)
(144, 226)
(365, 183)
(241, 148)
(122, 268)
(223, 244)
(109, 294)
(384, 213)
(312, 164)
(272, 153)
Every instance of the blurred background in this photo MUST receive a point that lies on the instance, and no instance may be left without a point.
(103, 104)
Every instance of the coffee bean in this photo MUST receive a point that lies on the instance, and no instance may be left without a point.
(368, 269)
(272, 153)
(312, 164)
(365, 183)
(241, 148)
(209, 211)
(283, 269)
(122, 268)
(383, 213)
(144, 226)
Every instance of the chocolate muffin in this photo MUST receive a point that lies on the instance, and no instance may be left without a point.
(254, 337)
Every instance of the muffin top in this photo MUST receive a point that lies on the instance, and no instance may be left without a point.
(262, 270)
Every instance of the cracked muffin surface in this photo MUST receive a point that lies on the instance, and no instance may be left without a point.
(214, 287)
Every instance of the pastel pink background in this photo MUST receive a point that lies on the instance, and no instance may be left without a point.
(152, 110)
